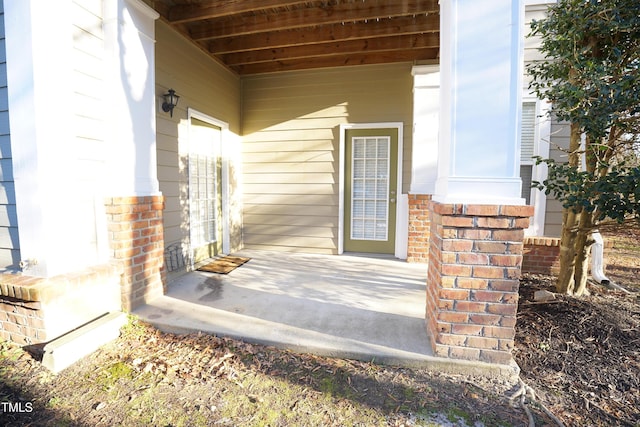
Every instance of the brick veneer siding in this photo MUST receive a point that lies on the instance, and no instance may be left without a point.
(137, 242)
(473, 278)
(541, 255)
(419, 225)
(34, 310)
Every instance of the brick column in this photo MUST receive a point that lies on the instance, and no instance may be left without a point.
(136, 240)
(473, 279)
(419, 224)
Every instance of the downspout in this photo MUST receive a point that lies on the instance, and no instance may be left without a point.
(597, 256)
(597, 270)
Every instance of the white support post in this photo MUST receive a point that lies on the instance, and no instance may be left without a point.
(481, 68)
(39, 71)
(129, 31)
(426, 121)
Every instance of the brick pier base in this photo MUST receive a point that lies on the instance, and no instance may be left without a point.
(419, 225)
(473, 278)
(137, 242)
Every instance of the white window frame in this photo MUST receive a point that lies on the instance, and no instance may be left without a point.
(541, 145)
(223, 152)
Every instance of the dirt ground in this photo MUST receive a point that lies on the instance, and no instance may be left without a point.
(581, 357)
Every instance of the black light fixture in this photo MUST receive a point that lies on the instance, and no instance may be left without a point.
(170, 101)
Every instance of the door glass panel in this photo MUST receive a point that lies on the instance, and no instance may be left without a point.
(203, 183)
(369, 204)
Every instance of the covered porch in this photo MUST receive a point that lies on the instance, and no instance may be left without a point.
(355, 306)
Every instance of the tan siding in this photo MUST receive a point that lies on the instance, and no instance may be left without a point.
(209, 88)
(291, 148)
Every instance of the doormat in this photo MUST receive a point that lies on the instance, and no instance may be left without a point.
(224, 265)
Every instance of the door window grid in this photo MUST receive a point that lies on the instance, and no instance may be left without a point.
(370, 188)
(202, 187)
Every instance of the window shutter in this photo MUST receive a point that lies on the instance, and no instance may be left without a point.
(527, 142)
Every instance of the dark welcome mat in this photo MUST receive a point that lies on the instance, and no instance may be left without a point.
(224, 265)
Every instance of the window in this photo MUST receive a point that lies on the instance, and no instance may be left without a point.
(527, 148)
(370, 183)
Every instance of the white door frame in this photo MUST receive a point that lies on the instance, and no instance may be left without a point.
(224, 179)
(401, 209)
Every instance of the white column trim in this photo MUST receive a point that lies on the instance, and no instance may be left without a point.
(426, 126)
(130, 99)
(480, 102)
(38, 42)
(540, 172)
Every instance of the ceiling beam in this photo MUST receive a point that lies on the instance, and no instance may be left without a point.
(299, 18)
(180, 14)
(379, 44)
(426, 54)
(325, 34)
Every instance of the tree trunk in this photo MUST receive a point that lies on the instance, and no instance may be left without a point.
(582, 247)
(565, 282)
(570, 226)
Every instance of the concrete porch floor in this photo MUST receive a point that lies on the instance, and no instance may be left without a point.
(347, 306)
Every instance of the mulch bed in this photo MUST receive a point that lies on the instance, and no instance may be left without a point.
(581, 355)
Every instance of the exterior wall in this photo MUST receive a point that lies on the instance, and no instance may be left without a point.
(9, 242)
(291, 148)
(211, 89)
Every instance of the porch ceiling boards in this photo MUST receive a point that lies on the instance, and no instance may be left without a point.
(263, 36)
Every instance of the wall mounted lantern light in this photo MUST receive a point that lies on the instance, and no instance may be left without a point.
(170, 101)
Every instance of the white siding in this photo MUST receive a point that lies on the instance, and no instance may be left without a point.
(9, 244)
(87, 147)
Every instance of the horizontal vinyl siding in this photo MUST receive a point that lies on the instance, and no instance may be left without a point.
(9, 242)
(211, 89)
(291, 148)
(532, 43)
(86, 152)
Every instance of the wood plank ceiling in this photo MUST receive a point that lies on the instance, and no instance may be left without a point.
(263, 36)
